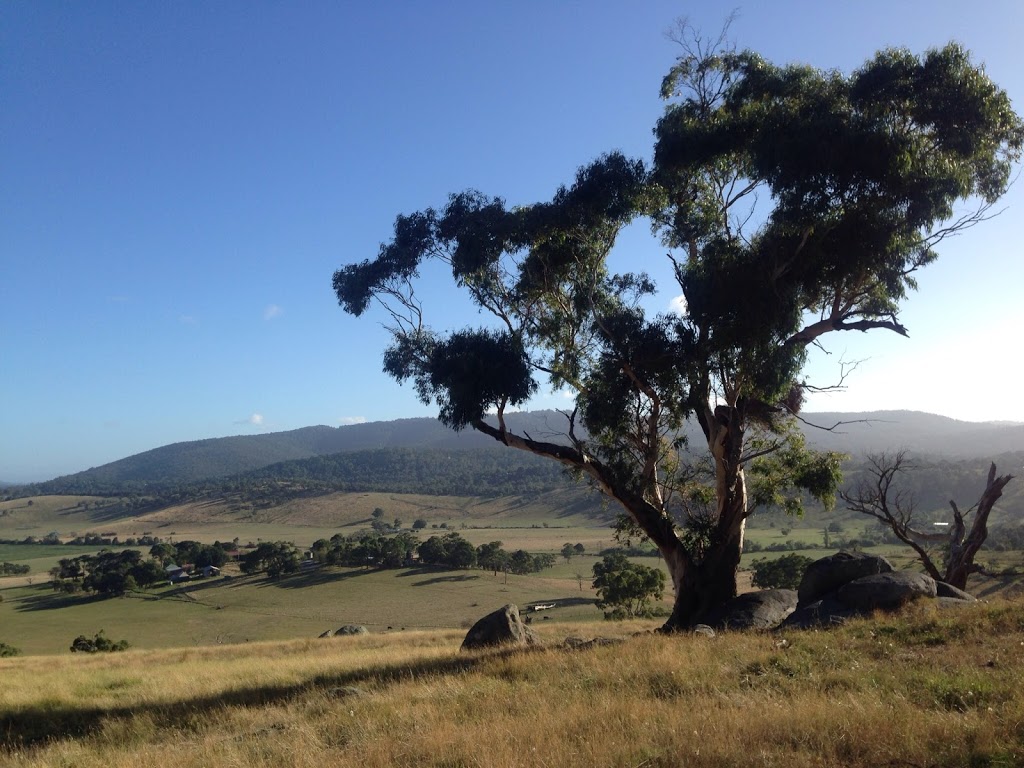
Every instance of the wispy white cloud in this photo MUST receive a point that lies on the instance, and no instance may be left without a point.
(678, 305)
(254, 420)
(347, 420)
(272, 311)
(188, 320)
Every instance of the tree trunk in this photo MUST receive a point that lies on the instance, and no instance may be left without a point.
(963, 549)
(704, 578)
(703, 586)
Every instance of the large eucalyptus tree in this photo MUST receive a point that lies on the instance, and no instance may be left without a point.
(794, 204)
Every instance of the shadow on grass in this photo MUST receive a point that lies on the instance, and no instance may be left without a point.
(50, 601)
(39, 724)
(445, 580)
(313, 578)
(441, 573)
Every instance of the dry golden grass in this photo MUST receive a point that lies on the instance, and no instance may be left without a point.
(929, 688)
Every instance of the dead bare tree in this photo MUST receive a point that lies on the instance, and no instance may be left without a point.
(876, 496)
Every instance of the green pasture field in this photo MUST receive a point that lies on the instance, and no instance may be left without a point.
(536, 524)
(252, 608)
(241, 609)
(18, 553)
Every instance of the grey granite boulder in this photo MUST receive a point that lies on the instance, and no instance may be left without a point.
(887, 591)
(703, 630)
(942, 589)
(503, 627)
(351, 629)
(830, 573)
(766, 609)
(827, 612)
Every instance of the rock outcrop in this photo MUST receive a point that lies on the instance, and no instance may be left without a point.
(849, 584)
(834, 589)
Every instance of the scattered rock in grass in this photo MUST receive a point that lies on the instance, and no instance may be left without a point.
(351, 629)
(502, 627)
(328, 633)
(703, 630)
(582, 643)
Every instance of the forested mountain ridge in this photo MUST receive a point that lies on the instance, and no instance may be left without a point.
(231, 457)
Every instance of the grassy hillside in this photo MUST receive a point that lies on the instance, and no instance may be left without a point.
(930, 688)
(302, 519)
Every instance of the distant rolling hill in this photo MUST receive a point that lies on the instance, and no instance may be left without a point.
(915, 431)
(207, 460)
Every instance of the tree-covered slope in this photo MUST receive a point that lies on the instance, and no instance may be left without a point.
(264, 455)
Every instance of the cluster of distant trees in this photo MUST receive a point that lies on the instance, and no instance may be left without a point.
(86, 539)
(116, 573)
(193, 552)
(106, 573)
(373, 549)
(13, 569)
(275, 558)
(451, 550)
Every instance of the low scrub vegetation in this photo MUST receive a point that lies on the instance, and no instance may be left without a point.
(781, 573)
(99, 643)
(926, 688)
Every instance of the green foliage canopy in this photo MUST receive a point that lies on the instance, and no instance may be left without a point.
(626, 589)
(781, 573)
(794, 203)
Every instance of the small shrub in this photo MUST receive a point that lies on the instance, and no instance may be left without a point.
(626, 589)
(98, 644)
(782, 573)
(8, 650)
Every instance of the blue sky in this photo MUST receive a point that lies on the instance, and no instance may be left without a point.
(180, 180)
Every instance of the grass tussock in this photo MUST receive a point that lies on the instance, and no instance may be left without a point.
(929, 688)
